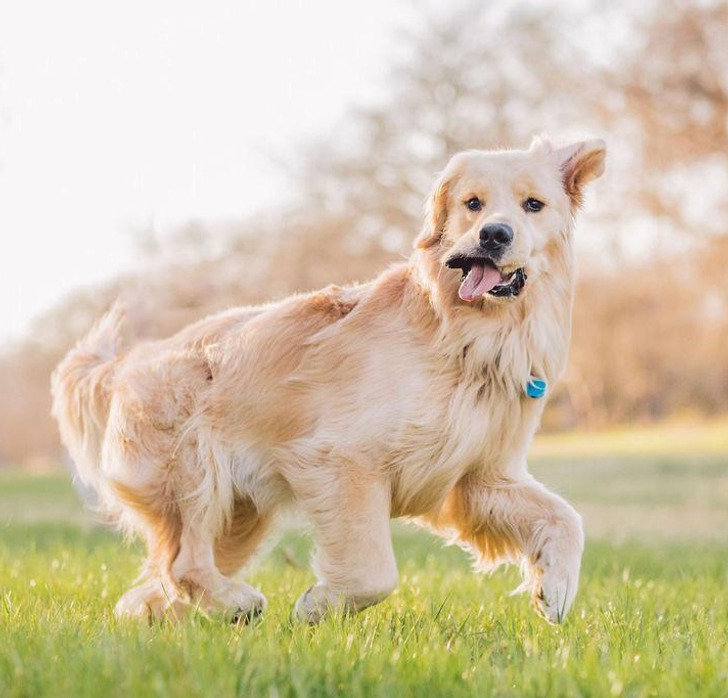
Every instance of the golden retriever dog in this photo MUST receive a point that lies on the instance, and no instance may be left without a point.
(415, 395)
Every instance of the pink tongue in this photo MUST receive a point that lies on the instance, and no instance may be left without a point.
(480, 279)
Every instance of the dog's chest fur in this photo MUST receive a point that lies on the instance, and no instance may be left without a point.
(484, 421)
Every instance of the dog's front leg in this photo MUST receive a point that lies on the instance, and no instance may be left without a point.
(354, 559)
(521, 519)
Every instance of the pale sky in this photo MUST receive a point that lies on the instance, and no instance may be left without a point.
(115, 116)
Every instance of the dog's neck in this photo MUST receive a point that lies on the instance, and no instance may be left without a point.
(510, 341)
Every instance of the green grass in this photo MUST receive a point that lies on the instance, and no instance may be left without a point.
(651, 618)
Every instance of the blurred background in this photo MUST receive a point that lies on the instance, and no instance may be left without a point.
(192, 158)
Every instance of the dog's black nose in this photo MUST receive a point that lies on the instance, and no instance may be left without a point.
(495, 237)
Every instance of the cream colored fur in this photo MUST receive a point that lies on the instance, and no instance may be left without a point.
(389, 399)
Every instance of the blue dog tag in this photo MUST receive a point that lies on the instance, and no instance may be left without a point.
(536, 387)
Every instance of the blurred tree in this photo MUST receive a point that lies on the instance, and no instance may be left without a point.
(672, 84)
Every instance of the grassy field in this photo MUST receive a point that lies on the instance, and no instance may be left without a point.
(651, 618)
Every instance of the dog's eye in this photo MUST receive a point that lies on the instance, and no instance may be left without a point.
(532, 205)
(474, 204)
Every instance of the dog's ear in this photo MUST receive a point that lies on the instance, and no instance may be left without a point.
(435, 212)
(580, 163)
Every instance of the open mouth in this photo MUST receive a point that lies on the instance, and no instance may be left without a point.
(481, 276)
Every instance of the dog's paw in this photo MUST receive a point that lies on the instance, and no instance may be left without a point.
(553, 594)
(231, 601)
(248, 604)
(312, 605)
(246, 616)
(553, 578)
(148, 601)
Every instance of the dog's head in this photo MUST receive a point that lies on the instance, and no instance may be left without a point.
(494, 218)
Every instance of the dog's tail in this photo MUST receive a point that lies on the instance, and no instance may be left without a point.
(81, 391)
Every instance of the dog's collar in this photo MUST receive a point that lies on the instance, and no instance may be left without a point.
(536, 387)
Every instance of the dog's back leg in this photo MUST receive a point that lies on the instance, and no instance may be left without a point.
(211, 551)
(147, 512)
(187, 563)
(195, 570)
(241, 537)
(354, 559)
(176, 489)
